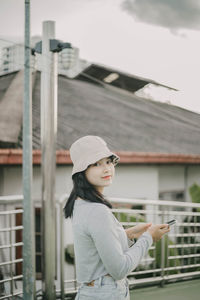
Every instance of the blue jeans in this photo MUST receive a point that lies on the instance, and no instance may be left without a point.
(105, 288)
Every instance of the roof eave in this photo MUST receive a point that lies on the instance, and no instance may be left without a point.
(15, 157)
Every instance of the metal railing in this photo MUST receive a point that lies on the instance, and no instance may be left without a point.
(10, 280)
(175, 256)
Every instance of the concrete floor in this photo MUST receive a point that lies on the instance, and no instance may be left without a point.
(185, 290)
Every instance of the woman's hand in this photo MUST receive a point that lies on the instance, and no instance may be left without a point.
(136, 231)
(157, 231)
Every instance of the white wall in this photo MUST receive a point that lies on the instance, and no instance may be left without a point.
(176, 177)
(134, 182)
(171, 178)
(12, 180)
(130, 181)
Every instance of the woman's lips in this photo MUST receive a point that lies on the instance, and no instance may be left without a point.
(106, 177)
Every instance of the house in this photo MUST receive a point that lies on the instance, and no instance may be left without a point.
(158, 143)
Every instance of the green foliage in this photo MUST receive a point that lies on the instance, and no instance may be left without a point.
(69, 254)
(194, 191)
(167, 252)
(190, 240)
(124, 217)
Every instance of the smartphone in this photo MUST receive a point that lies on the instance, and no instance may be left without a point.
(172, 222)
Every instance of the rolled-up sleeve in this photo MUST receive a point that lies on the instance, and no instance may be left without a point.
(103, 231)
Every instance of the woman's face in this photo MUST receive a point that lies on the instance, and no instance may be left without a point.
(101, 173)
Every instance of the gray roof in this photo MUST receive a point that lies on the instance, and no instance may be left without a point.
(11, 109)
(124, 120)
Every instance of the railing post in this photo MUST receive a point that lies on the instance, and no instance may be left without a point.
(162, 252)
(11, 254)
(61, 253)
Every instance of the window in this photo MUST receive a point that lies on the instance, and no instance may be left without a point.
(176, 195)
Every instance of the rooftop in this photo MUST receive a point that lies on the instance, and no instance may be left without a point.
(90, 106)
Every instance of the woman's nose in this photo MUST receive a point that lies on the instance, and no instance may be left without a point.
(106, 168)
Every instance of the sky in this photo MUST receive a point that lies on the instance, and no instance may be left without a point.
(155, 39)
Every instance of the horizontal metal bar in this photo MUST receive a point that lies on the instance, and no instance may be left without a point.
(129, 223)
(145, 280)
(165, 269)
(133, 211)
(71, 291)
(11, 295)
(184, 234)
(184, 256)
(154, 202)
(70, 280)
(177, 224)
(159, 278)
(6, 297)
(170, 204)
(145, 272)
(182, 213)
(11, 228)
(154, 212)
(182, 267)
(188, 274)
(10, 279)
(11, 199)
(183, 246)
(11, 212)
(188, 224)
(11, 245)
(152, 248)
(147, 259)
(11, 262)
(18, 277)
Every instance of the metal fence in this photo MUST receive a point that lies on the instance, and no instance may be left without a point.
(10, 239)
(175, 256)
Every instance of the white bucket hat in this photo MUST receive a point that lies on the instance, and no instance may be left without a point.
(88, 150)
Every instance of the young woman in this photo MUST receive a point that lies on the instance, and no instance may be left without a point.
(104, 252)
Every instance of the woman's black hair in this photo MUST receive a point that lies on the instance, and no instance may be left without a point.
(86, 191)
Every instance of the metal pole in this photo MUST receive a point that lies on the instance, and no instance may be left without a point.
(28, 215)
(162, 249)
(48, 145)
(62, 261)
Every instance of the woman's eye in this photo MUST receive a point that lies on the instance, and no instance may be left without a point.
(96, 164)
(109, 161)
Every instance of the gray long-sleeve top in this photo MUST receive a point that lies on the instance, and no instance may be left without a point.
(101, 244)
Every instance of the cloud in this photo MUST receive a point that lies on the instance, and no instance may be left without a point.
(172, 14)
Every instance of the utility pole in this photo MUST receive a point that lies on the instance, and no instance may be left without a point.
(48, 146)
(49, 47)
(28, 214)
